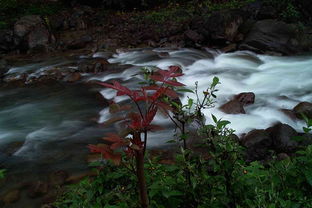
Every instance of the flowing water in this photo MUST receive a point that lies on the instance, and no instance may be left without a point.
(47, 128)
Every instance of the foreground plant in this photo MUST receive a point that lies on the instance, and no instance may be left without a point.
(148, 100)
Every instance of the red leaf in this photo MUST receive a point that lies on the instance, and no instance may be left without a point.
(106, 152)
(116, 141)
(122, 90)
(157, 78)
(174, 83)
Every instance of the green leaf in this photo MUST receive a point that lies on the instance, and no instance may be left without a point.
(214, 118)
(190, 102)
(215, 81)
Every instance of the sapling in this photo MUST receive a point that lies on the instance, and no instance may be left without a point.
(148, 100)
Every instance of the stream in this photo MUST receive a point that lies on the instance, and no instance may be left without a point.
(47, 128)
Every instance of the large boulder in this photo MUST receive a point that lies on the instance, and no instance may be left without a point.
(283, 137)
(303, 108)
(258, 143)
(219, 28)
(30, 33)
(6, 41)
(275, 36)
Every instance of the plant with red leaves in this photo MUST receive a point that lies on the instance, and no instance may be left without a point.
(148, 101)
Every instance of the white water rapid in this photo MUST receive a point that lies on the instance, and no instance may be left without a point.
(278, 82)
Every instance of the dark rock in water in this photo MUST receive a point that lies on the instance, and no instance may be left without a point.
(38, 189)
(258, 143)
(73, 77)
(58, 178)
(289, 113)
(11, 197)
(245, 98)
(305, 108)
(283, 137)
(233, 107)
(229, 48)
(30, 33)
(274, 36)
(6, 41)
(236, 105)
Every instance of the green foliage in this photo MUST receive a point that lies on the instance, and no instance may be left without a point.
(2, 171)
(210, 174)
(286, 9)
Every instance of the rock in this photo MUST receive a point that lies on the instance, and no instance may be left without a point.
(3, 67)
(283, 137)
(289, 113)
(193, 36)
(258, 142)
(58, 178)
(30, 33)
(282, 156)
(305, 108)
(82, 42)
(11, 197)
(271, 35)
(245, 98)
(72, 77)
(229, 48)
(233, 107)
(38, 189)
(223, 25)
(6, 41)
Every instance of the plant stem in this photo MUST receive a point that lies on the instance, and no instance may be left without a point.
(139, 156)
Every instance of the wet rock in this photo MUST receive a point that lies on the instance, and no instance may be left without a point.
(289, 113)
(38, 189)
(72, 77)
(229, 48)
(245, 98)
(233, 107)
(82, 42)
(58, 178)
(271, 36)
(283, 137)
(305, 108)
(11, 197)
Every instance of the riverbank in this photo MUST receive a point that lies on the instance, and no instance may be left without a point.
(229, 26)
